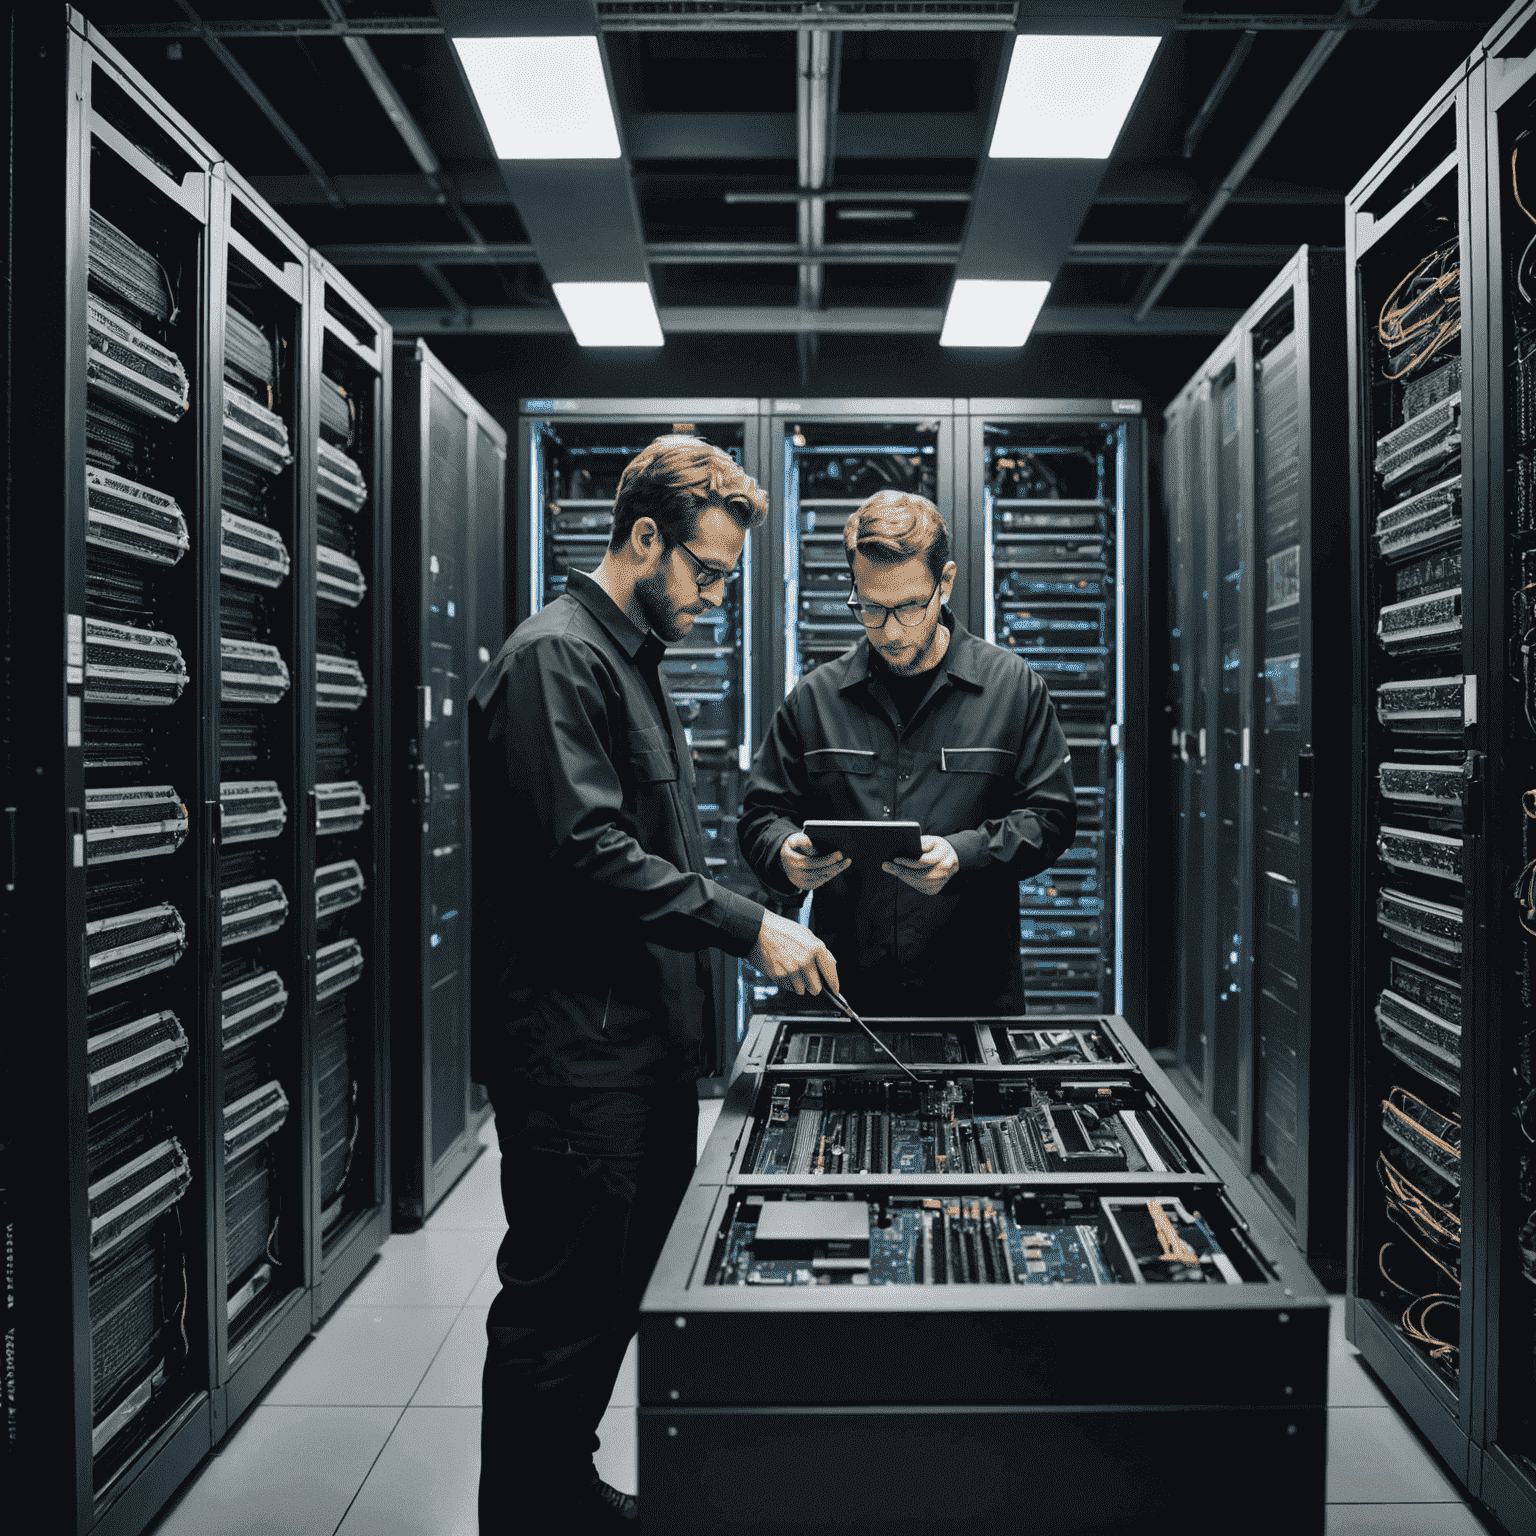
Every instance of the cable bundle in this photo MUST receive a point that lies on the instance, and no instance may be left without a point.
(1423, 312)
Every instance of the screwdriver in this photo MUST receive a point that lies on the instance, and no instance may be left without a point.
(842, 1007)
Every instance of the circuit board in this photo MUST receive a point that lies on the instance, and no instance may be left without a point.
(844, 1049)
(928, 1242)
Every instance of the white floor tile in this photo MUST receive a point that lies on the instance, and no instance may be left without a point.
(1351, 1385)
(287, 1471)
(454, 1378)
(474, 1202)
(425, 1482)
(626, 1390)
(487, 1287)
(366, 1355)
(616, 1459)
(1374, 1458)
(1403, 1520)
(426, 1269)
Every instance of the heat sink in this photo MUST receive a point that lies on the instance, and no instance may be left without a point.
(338, 577)
(251, 673)
(252, 908)
(133, 519)
(124, 665)
(337, 412)
(253, 1118)
(250, 551)
(254, 1001)
(337, 966)
(339, 807)
(251, 810)
(339, 683)
(338, 886)
(338, 478)
(124, 1054)
(132, 944)
(254, 434)
(125, 269)
(247, 350)
(134, 1194)
(136, 823)
(127, 367)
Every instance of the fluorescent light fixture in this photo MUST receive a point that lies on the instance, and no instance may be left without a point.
(610, 314)
(988, 312)
(1066, 98)
(542, 98)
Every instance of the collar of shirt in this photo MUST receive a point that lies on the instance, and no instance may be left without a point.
(958, 666)
(636, 643)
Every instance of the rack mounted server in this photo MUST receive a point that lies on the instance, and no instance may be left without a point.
(855, 1243)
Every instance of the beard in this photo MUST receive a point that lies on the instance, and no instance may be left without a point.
(661, 614)
(922, 658)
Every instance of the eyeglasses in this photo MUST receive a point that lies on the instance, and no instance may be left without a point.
(707, 575)
(908, 615)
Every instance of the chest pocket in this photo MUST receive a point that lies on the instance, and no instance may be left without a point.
(839, 760)
(650, 757)
(993, 760)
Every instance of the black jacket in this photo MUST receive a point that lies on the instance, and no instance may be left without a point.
(983, 763)
(595, 928)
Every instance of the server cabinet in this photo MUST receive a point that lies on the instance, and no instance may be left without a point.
(1255, 492)
(448, 500)
(1055, 538)
(346, 888)
(883, 1280)
(570, 456)
(111, 895)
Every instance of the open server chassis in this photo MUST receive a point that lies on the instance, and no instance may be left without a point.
(905, 1399)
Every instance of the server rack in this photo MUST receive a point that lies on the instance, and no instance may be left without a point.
(108, 1210)
(449, 491)
(1255, 483)
(970, 1321)
(1422, 739)
(348, 427)
(1055, 497)
(570, 456)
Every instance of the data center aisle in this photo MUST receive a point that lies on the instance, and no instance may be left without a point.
(373, 1429)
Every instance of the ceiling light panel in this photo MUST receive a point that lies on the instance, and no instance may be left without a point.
(992, 312)
(542, 98)
(610, 314)
(1066, 98)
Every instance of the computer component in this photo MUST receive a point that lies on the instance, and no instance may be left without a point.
(1422, 624)
(250, 551)
(1165, 1244)
(253, 999)
(247, 352)
(129, 368)
(251, 673)
(243, 489)
(252, 908)
(1424, 853)
(137, 823)
(1421, 1038)
(1081, 678)
(127, 1303)
(1066, 624)
(249, 1196)
(880, 1125)
(254, 434)
(1421, 443)
(241, 737)
(132, 519)
(338, 479)
(251, 810)
(1422, 314)
(131, 944)
(1057, 1047)
(336, 530)
(340, 806)
(1039, 552)
(338, 886)
(1433, 1140)
(124, 665)
(1430, 990)
(122, 268)
(114, 440)
(338, 577)
(828, 1045)
(1437, 572)
(254, 1117)
(337, 965)
(1430, 517)
(135, 1192)
(1429, 928)
(336, 1093)
(126, 1050)
(1437, 789)
(1424, 705)
(339, 683)
(1431, 387)
(338, 413)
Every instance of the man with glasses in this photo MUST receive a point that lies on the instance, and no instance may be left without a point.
(918, 721)
(596, 931)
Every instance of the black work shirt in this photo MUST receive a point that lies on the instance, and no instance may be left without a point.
(906, 692)
(982, 763)
(595, 927)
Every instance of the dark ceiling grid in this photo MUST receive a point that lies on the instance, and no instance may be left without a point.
(719, 174)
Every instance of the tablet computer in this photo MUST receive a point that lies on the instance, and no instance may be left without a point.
(868, 843)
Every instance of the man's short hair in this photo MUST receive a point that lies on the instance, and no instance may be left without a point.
(673, 480)
(893, 526)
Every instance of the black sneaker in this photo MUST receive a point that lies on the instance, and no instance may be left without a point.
(610, 1509)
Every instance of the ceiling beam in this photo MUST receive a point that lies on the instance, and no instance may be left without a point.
(1086, 320)
(721, 253)
(771, 135)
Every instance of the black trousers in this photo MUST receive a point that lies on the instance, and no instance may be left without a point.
(591, 1180)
